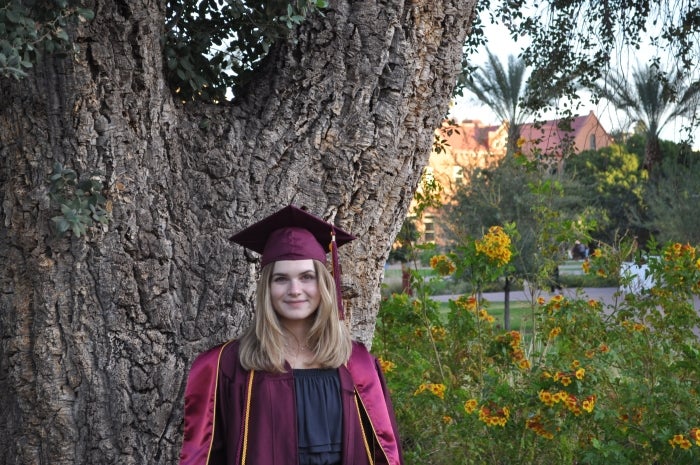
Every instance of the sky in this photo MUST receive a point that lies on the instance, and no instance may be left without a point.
(500, 43)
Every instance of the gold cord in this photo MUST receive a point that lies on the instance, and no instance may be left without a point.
(247, 416)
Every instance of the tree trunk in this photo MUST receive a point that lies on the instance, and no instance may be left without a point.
(98, 331)
(652, 152)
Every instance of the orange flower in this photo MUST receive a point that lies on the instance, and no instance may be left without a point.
(554, 332)
(438, 390)
(586, 267)
(589, 403)
(386, 365)
(546, 398)
(442, 265)
(470, 405)
(695, 435)
(681, 441)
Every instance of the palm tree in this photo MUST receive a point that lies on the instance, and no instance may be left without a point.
(502, 91)
(652, 100)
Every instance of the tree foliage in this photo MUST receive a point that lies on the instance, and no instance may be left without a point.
(653, 99)
(611, 181)
(673, 197)
(211, 46)
(546, 216)
(582, 37)
(501, 89)
(28, 31)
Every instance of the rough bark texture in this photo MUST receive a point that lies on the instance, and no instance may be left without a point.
(97, 332)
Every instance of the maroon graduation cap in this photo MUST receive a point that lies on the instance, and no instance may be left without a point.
(295, 234)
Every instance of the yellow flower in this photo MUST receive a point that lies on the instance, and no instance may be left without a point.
(540, 300)
(446, 419)
(586, 267)
(438, 333)
(580, 373)
(498, 418)
(524, 364)
(681, 441)
(589, 403)
(554, 332)
(565, 380)
(470, 405)
(536, 425)
(437, 390)
(695, 435)
(546, 398)
(386, 365)
(495, 245)
(443, 265)
(467, 303)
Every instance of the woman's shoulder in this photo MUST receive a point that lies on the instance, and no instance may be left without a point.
(360, 353)
(218, 355)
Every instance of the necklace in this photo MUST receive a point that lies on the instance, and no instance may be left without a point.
(302, 351)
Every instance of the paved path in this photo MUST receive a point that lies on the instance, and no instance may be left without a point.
(606, 295)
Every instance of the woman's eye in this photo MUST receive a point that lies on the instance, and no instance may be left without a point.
(308, 277)
(279, 279)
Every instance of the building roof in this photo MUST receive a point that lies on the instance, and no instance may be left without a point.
(472, 136)
(556, 137)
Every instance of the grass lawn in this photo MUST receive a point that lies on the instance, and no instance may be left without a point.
(520, 314)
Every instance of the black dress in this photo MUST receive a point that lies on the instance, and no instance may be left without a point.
(319, 416)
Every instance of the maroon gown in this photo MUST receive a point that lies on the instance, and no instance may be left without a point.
(234, 416)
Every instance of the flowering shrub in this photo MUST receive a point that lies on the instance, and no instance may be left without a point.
(591, 384)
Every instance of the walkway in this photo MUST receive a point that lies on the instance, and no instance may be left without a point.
(606, 295)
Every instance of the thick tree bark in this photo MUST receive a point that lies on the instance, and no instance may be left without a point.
(97, 332)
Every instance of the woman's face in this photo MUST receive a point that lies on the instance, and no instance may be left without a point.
(294, 289)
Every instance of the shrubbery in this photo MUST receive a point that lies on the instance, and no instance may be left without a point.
(591, 384)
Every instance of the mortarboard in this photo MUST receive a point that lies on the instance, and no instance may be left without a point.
(294, 234)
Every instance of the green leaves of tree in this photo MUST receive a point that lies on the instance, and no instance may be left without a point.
(578, 38)
(80, 201)
(27, 32)
(211, 46)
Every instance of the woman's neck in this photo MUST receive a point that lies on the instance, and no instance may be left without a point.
(297, 350)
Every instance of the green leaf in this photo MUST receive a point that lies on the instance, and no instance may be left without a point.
(86, 13)
(61, 34)
(12, 16)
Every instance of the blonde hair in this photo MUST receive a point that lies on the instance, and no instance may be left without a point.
(262, 344)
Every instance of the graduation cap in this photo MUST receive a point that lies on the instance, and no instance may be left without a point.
(295, 234)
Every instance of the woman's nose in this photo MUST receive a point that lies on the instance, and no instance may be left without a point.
(294, 287)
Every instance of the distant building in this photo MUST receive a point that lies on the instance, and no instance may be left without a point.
(465, 146)
(554, 141)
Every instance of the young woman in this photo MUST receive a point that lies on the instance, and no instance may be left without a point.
(295, 389)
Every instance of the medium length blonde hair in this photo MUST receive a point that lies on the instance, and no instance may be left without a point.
(262, 344)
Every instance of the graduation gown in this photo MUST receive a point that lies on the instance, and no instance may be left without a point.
(234, 416)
